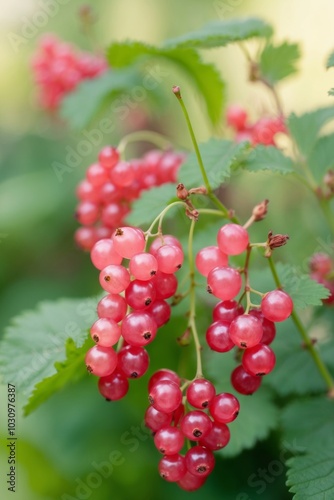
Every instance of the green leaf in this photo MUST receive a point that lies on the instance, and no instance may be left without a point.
(221, 33)
(306, 128)
(322, 156)
(68, 371)
(204, 75)
(312, 475)
(268, 158)
(330, 61)
(218, 155)
(278, 62)
(80, 106)
(36, 341)
(309, 423)
(303, 290)
(151, 203)
(331, 91)
(258, 414)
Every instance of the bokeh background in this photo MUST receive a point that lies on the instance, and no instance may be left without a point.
(39, 261)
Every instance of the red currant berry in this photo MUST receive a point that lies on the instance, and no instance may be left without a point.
(208, 258)
(232, 239)
(112, 306)
(133, 361)
(196, 425)
(140, 294)
(200, 393)
(269, 329)
(143, 266)
(236, 117)
(227, 310)
(224, 282)
(224, 408)
(172, 467)
(114, 279)
(156, 420)
(218, 437)
(259, 360)
(105, 332)
(245, 331)
(218, 338)
(138, 328)
(128, 241)
(103, 254)
(189, 482)
(108, 157)
(163, 374)
(243, 382)
(101, 361)
(276, 305)
(200, 461)
(114, 386)
(169, 440)
(165, 396)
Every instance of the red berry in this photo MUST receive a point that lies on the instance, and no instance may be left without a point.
(224, 408)
(200, 393)
(114, 386)
(246, 331)
(276, 305)
(243, 382)
(200, 461)
(165, 396)
(258, 360)
(232, 239)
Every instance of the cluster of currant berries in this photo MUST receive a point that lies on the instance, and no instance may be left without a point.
(231, 327)
(59, 68)
(135, 306)
(111, 185)
(322, 271)
(262, 131)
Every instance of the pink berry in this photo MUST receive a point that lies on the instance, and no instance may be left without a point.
(143, 266)
(122, 174)
(140, 294)
(236, 117)
(160, 310)
(128, 241)
(96, 174)
(200, 393)
(269, 329)
(114, 386)
(218, 437)
(105, 332)
(276, 305)
(101, 361)
(114, 279)
(156, 420)
(224, 282)
(196, 425)
(108, 157)
(246, 331)
(165, 285)
(87, 213)
(224, 408)
(208, 258)
(112, 306)
(165, 396)
(227, 310)
(166, 239)
(189, 482)
(218, 338)
(103, 254)
(138, 328)
(172, 467)
(258, 360)
(232, 239)
(169, 440)
(163, 374)
(133, 361)
(243, 382)
(200, 461)
(169, 259)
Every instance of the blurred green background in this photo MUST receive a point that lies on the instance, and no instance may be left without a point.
(59, 444)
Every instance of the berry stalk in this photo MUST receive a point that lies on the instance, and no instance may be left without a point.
(146, 136)
(307, 341)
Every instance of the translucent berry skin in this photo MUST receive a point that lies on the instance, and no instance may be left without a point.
(276, 305)
(122, 174)
(140, 294)
(114, 386)
(243, 382)
(114, 279)
(169, 440)
(87, 213)
(143, 266)
(269, 328)
(200, 461)
(236, 117)
(246, 331)
(167, 239)
(224, 408)
(218, 437)
(96, 174)
(169, 258)
(259, 360)
(138, 328)
(163, 374)
(224, 282)
(165, 396)
(208, 258)
(133, 361)
(101, 361)
(128, 241)
(189, 482)
(172, 467)
(105, 332)
(232, 239)
(321, 263)
(227, 310)
(156, 420)
(218, 338)
(196, 425)
(160, 310)
(103, 254)
(112, 306)
(200, 393)
(165, 285)
(108, 157)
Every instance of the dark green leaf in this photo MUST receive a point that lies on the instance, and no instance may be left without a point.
(68, 371)
(252, 424)
(311, 476)
(309, 423)
(268, 158)
(36, 341)
(151, 203)
(322, 156)
(204, 75)
(330, 61)
(303, 290)
(306, 128)
(218, 155)
(278, 62)
(80, 106)
(221, 33)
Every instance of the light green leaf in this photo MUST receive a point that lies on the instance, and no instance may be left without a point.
(331, 91)
(268, 158)
(278, 62)
(309, 423)
(218, 155)
(36, 340)
(80, 106)
(151, 203)
(330, 61)
(306, 128)
(68, 371)
(322, 156)
(204, 75)
(258, 414)
(312, 475)
(221, 33)
(303, 290)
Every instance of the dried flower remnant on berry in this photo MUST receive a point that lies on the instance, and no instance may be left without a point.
(275, 241)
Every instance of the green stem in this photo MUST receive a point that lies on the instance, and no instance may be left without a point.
(192, 311)
(147, 136)
(307, 341)
(160, 217)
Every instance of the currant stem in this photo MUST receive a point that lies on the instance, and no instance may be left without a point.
(192, 311)
(160, 217)
(144, 135)
(307, 341)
